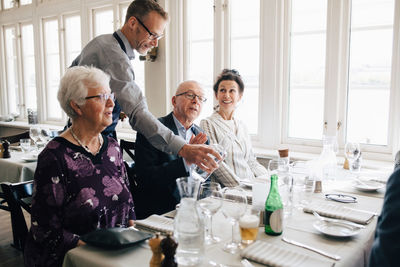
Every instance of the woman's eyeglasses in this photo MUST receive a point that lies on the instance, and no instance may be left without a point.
(103, 97)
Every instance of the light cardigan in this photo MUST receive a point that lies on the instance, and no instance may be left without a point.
(240, 162)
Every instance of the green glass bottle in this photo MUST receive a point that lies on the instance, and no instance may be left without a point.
(273, 209)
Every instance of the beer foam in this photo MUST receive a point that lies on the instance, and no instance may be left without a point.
(249, 221)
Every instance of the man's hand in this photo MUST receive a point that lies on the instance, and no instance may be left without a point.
(200, 155)
(200, 138)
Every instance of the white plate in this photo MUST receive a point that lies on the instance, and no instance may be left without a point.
(30, 158)
(368, 186)
(336, 229)
(246, 183)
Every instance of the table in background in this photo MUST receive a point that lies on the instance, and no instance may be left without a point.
(15, 169)
(354, 251)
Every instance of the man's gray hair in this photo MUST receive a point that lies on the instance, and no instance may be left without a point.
(75, 83)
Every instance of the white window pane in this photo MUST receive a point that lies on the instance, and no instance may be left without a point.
(201, 43)
(8, 4)
(52, 68)
(309, 15)
(370, 60)
(201, 19)
(307, 69)
(123, 9)
(25, 2)
(306, 106)
(11, 68)
(72, 38)
(103, 21)
(245, 55)
(243, 59)
(372, 13)
(201, 70)
(28, 57)
(245, 20)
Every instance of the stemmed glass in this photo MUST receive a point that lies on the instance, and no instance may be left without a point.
(45, 135)
(210, 197)
(233, 207)
(203, 175)
(352, 152)
(34, 134)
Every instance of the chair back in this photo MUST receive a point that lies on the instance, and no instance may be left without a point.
(15, 138)
(18, 195)
(128, 147)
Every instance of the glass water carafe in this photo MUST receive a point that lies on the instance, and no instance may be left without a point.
(327, 159)
(188, 227)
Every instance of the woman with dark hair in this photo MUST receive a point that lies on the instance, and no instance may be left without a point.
(223, 128)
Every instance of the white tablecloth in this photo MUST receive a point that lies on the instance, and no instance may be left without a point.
(15, 169)
(354, 251)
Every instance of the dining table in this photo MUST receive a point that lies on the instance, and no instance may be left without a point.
(298, 226)
(18, 168)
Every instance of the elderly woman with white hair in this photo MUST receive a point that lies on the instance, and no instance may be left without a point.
(80, 180)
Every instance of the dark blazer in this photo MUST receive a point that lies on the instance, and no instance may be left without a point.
(156, 174)
(386, 247)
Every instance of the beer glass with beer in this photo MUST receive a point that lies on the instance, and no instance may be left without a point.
(248, 225)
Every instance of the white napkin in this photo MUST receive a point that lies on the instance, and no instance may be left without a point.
(340, 212)
(156, 223)
(271, 255)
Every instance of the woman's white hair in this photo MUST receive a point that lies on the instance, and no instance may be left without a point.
(75, 83)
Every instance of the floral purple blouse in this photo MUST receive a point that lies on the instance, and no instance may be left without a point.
(74, 194)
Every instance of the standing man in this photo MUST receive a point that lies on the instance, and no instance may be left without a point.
(157, 171)
(144, 25)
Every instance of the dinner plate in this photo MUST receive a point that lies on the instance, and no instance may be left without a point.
(30, 158)
(368, 186)
(336, 229)
(246, 183)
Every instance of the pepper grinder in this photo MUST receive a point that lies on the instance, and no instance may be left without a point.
(154, 244)
(168, 247)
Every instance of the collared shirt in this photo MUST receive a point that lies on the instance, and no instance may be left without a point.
(105, 53)
(187, 135)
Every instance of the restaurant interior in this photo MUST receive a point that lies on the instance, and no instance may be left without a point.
(321, 98)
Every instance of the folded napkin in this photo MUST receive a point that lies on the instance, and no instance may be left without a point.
(156, 223)
(340, 212)
(272, 255)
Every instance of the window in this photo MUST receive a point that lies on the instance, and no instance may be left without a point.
(307, 69)
(244, 43)
(20, 69)
(200, 48)
(103, 21)
(64, 30)
(370, 61)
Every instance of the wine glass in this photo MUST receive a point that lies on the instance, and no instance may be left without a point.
(34, 134)
(25, 144)
(210, 201)
(203, 175)
(352, 152)
(45, 135)
(233, 207)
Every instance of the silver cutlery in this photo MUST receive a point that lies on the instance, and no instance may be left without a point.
(323, 253)
(338, 221)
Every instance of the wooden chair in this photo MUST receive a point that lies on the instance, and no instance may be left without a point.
(18, 195)
(12, 139)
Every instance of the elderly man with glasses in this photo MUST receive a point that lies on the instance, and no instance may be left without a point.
(144, 25)
(157, 171)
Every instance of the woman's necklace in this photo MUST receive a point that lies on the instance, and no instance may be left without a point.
(84, 146)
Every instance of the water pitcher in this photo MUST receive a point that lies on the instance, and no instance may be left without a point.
(188, 227)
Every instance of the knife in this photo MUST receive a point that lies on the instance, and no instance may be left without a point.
(326, 254)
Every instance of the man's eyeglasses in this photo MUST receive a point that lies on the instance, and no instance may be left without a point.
(152, 35)
(192, 96)
(103, 97)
